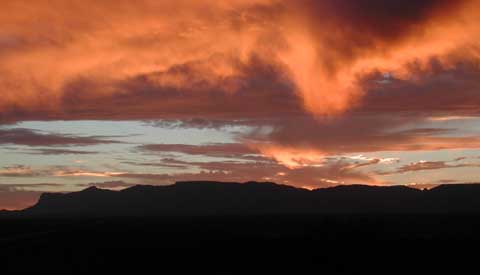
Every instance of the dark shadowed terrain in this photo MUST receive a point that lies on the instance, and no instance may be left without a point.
(252, 228)
(254, 199)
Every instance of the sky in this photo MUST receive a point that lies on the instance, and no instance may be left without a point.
(306, 93)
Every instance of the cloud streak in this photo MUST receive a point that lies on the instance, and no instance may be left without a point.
(428, 165)
(218, 150)
(28, 137)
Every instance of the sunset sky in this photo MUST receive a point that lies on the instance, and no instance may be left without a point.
(308, 93)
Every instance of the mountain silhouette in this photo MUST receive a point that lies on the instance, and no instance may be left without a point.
(205, 198)
(239, 228)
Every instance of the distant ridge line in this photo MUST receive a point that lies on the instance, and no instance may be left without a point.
(210, 198)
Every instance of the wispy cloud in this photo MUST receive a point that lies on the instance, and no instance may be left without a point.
(430, 165)
(28, 137)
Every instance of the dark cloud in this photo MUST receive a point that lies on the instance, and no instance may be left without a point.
(360, 133)
(258, 89)
(47, 151)
(28, 137)
(202, 123)
(428, 165)
(157, 164)
(367, 27)
(437, 89)
(224, 150)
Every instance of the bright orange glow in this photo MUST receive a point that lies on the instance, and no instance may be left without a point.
(47, 45)
(293, 158)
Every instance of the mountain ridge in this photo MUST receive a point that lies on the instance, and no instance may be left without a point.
(210, 198)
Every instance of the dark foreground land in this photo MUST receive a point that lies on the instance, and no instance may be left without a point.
(250, 228)
(320, 244)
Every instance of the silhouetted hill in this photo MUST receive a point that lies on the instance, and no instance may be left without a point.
(249, 228)
(252, 198)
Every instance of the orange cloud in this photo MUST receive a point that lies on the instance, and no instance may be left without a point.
(333, 44)
(323, 48)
